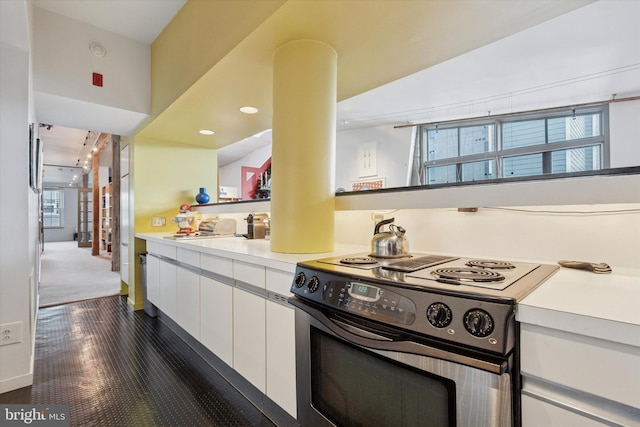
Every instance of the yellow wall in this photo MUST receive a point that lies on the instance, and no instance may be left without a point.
(164, 175)
(167, 175)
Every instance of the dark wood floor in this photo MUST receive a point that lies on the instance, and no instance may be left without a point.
(114, 367)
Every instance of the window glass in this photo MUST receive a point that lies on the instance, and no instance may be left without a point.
(52, 208)
(442, 174)
(576, 159)
(477, 171)
(562, 140)
(523, 134)
(442, 144)
(476, 139)
(527, 165)
(569, 128)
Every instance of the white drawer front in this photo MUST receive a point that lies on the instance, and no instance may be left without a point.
(279, 281)
(189, 257)
(217, 265)
(153, 247)
(603, 368)
(249, 273)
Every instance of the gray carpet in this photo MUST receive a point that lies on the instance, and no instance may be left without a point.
(70, 273)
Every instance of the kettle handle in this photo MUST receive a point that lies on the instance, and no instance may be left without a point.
(381, 223)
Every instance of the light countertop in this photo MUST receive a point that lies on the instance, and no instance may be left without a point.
(606, 306)
(255, 251)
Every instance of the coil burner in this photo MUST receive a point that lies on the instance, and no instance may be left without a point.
(496, 265)
(463, 274)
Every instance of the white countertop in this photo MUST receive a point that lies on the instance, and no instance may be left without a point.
(606, 306)
(255, 251)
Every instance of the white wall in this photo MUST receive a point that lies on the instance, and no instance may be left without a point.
(392, 154)
(63, 64)
(231, 174)
(624, 134)
(19, 269)
(598, 233)
(63, 68)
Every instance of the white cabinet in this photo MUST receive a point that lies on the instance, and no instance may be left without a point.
(578, 378)
(249, 273)
(218, 265)
(188, 301)
(167, 282)
(249, 337)
(216, 318)
(537, 413)
(281, 356)
(153, 280)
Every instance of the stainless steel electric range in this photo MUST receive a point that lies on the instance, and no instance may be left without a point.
(393, 339)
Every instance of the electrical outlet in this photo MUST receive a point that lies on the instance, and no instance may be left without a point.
(158, 221)
(10, 333)
(377, 217)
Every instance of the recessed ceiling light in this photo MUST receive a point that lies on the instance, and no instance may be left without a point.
(249, 110)
(206, 132)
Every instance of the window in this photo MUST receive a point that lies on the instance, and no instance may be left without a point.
(52, 208)
(512, 146)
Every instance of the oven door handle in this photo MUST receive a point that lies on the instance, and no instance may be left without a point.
(370, 340)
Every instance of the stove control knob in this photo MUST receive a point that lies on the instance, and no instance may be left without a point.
(439, 315)
(478, 323)
(300, 279)
(314, 284)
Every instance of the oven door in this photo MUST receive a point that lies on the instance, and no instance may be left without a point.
(349, 374)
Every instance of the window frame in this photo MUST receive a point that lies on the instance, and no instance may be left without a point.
(421, 164)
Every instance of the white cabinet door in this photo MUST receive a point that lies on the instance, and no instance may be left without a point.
(281, 356)
(168, 289)
(249, 337)
(188, 301)
(153, 280)
(216, 318)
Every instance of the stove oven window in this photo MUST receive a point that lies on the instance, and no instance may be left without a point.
(354, 387)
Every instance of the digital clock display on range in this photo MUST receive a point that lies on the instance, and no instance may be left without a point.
(362, 291)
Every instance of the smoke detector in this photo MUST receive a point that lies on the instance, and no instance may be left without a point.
(97, 49)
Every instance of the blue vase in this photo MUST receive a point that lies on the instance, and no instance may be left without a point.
(202, 197)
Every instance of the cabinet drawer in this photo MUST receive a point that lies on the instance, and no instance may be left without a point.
(536, 413)
(602, 368)
(160, 249)
(249, 273)
(153, 247)
(218, 265)
(279, 281)
(188, 257)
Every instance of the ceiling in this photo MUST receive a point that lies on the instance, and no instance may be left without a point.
(495, 73)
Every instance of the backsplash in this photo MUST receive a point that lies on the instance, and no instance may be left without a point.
(599, 233)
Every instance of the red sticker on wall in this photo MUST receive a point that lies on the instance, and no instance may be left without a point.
(97, 79)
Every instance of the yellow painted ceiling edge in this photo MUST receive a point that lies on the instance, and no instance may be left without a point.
(197, 38)
(378, 41)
